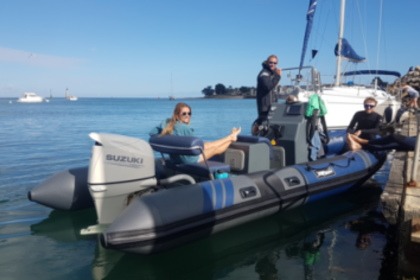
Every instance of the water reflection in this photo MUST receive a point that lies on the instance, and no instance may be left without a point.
(366, 225)
(65, 226)
(284, 246)
(292, 245)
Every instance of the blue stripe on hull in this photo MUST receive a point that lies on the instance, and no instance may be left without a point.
(229, 192)
(217, 194)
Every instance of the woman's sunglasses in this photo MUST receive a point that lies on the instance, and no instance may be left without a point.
(186, 113)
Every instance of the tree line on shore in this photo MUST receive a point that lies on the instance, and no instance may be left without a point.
(221, 90)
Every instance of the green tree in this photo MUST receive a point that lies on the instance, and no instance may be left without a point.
(208, 91)
(220, 89)
(244, 89)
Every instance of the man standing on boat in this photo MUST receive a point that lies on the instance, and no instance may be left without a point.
(267, 80)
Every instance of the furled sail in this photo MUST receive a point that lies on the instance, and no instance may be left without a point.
(309, 19)
(348, 52)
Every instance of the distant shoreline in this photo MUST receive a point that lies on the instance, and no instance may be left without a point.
(228, 97)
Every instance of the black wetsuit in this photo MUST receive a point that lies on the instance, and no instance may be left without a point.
(393, 142)
(266, 82)
(367, 123)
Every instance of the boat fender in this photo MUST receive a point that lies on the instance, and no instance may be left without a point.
(401, 116)
(388, 114)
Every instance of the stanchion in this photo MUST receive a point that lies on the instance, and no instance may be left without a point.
(413, 182)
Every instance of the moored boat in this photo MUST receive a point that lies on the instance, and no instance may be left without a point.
(70, 97)
(30, 97)
(343, 98)
(146, 203)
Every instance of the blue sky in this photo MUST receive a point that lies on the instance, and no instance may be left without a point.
(139, 48)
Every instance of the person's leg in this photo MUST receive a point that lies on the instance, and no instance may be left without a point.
(353, 142)
(405, 143)
(359, 140)
(219, 146)
(411, 103)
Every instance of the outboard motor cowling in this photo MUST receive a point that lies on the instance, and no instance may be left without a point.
(119, 167)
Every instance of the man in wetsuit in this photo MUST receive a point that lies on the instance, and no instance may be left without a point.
(267, 80)
(364, 124)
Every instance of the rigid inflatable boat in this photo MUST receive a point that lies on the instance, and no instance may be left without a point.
(147, 203)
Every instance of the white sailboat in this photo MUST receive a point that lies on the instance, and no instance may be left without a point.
(70, 97)
(343, 99)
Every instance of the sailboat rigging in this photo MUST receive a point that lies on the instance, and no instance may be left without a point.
(342, 100)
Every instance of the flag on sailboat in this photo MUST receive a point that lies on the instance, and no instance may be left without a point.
(348, 52)
(309, 19)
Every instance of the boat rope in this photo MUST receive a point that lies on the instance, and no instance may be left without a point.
(349, 159)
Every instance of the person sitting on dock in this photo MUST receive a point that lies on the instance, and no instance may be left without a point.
(413, 94)
(364, 124)
(179, 124)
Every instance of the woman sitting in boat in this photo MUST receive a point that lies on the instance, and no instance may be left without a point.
(364, 124)
(179, 124)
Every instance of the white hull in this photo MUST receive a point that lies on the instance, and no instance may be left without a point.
(343, 101)
(30, 97)
(72, 98)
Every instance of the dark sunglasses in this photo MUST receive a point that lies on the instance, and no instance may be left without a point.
(369, 106)
(186, 113)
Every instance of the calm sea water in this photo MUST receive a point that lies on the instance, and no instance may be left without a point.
(318, 241)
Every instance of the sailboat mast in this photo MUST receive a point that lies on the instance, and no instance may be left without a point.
(340, 39)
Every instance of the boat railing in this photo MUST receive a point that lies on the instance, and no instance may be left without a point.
(300, 79)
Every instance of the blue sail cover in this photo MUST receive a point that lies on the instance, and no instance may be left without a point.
(372, 72)
(348, 52)
(309, 19)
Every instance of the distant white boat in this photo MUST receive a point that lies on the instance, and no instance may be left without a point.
(70, 97)
(30, 97)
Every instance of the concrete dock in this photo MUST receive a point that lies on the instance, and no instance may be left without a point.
(401, 201)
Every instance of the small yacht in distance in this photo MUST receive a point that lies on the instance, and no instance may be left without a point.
(30, 97)
(70, 97)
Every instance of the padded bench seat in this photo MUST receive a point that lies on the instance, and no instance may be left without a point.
(187, 145)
